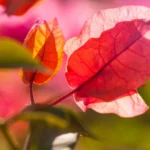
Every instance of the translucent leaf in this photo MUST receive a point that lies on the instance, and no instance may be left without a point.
(110, 59)
(46, 42)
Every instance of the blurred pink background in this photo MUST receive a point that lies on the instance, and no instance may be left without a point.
(71, 15)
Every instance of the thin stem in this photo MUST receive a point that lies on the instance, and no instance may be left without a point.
(31, 88)
(62, 98)
(7, 135)
(27, 143)
(31, 93)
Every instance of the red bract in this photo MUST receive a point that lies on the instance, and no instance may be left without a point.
(110, 59)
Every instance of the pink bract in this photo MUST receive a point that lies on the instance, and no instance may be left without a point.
(110, 59)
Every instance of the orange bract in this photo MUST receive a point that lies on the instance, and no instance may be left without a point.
(46, 43)
(17, 7)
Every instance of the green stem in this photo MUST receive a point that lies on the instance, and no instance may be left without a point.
(28, 140)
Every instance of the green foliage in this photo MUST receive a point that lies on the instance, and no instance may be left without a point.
(144, 92)
(49, 125)
(116, 133)
(14, 55)
(44, 137)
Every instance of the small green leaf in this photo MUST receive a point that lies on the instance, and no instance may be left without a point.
(44, 136)
(50, 119)
(14, 55)
(73, 121)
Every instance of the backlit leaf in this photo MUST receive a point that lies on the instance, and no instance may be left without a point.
(46, 42)
(59, 41)
(110, 59)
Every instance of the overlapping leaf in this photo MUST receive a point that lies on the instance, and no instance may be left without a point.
(110, 59)
(14, 55)
(51, 128)
(46, 44)
(17, 7)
